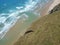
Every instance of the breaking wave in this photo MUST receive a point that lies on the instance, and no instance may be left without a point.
(7, 20)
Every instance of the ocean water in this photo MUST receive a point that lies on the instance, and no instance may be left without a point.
(13, 10)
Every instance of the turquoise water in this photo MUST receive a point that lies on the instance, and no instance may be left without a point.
(12, 11)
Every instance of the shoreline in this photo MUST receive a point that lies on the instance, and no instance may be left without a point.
(48, 8)
(17, 25)
(56, 2)
(44, 12)
(41, 14)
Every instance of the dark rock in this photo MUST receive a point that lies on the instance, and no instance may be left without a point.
(56, 8)
(29, 31)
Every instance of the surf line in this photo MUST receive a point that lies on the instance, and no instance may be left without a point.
(7, 26)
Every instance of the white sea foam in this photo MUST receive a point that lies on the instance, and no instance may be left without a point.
(19, 7)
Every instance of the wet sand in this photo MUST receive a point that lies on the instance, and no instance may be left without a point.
(18, 29)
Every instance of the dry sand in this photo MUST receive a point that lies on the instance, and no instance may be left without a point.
(45, 9)
(56, 2)
(49, 7)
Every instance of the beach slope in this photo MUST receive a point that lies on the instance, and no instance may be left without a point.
(45, 31)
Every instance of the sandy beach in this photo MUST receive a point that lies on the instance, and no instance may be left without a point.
(56, 2)
(13, 31)
(45, 11)
(49, 7)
